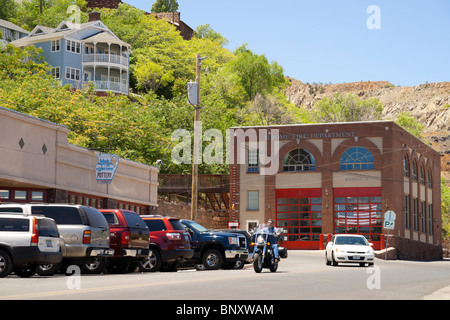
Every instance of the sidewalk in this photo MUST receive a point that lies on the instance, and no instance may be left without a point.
(442, 294)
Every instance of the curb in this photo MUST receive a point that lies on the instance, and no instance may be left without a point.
(441, 294)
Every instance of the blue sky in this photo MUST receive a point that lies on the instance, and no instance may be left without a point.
(330, 41)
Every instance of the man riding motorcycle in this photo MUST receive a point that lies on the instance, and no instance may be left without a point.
(273, 239)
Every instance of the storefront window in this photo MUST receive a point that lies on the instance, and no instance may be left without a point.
(37, 196)
(76, 198)
(20, 195)
(4, 194)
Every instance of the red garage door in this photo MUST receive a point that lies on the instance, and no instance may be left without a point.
(358, 211)
(299, 213)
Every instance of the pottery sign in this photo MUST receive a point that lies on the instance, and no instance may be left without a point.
(106, 167)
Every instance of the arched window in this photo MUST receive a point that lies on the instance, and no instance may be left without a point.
(298, 160)
(357, 158)
(422, 175)
(429, 180)
(406, 166)
(414, 170)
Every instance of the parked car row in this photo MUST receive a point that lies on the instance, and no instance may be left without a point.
(47, 238)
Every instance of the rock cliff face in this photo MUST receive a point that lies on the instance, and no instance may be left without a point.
(429, 103)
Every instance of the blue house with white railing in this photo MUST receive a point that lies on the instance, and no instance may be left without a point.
(83, 54)
(10, 32)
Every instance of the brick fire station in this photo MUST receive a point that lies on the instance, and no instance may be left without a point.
(335, 178)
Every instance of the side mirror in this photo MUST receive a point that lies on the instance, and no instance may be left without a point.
(371, 244)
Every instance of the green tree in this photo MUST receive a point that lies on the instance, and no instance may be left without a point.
(54, 11)
(347, 108)
(270, 110)
(16, 63)
(445, 209)
(410, 124)
(139, 127)
(165, 6)
(256, 74)
(7, 9)
(157, 47)
(205, 31)
(150, 76)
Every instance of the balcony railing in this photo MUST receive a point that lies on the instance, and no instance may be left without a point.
(105, 58)
(182, 183)
(108, 86)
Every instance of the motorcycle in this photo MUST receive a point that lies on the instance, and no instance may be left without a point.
(263, 256)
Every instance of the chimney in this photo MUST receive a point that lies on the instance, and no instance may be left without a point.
(94, 16)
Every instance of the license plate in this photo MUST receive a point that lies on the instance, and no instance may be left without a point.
(49, 243)
(356, 258)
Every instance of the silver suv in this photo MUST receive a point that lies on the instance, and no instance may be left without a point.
(26, 242)
(84, 230)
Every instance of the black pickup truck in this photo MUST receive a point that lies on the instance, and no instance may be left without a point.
(215, 249)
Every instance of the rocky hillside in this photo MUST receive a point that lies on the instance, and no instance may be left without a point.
(429, 103)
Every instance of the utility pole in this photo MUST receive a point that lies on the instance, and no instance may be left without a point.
(194, 200)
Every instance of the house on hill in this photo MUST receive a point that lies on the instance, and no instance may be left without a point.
(83, 54)
(10, 32)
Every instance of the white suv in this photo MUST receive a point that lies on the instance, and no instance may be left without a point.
(27, 242)
(84, 232)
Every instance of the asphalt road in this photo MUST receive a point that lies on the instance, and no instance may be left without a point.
(302, 276)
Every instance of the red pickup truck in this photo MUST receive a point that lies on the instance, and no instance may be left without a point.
(129, 237)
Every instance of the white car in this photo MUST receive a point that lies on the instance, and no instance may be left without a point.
(349, 248)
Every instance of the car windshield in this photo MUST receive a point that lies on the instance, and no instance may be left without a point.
(358, 241)
(197, 227)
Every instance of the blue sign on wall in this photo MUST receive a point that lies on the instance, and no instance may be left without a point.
(106, 167)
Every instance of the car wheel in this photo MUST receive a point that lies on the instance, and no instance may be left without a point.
(153, 263)
(327, 262)
(212, 259)
(6, 264)
(333, 261)
(96, 267)
(48, 269)
(26, 272)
